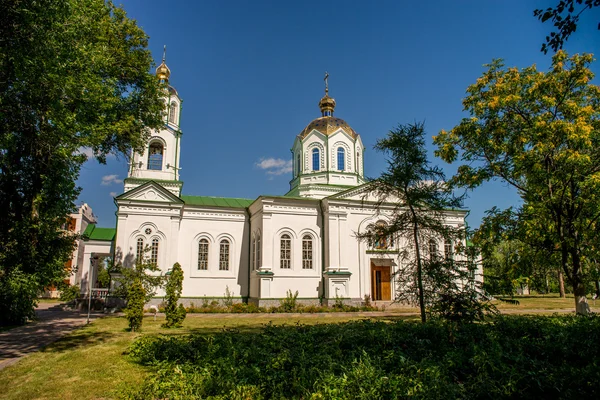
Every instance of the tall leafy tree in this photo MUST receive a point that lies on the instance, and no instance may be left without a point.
(565, 18)
(421, 201)
(539, 132)
(73, 74)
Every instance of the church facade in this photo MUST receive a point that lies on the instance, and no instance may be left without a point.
(259, 249)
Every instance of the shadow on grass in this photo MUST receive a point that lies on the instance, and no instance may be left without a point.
(78, 339)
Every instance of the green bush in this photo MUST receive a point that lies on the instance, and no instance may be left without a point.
(174, 314)
(69, 293)
(134, 312)
(18, 297)
(289, 304)
(509, 357)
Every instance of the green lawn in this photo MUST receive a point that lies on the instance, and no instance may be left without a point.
(89, 363)
(547, 302)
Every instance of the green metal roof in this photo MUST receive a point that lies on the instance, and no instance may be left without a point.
(216, 201)
(94, 233)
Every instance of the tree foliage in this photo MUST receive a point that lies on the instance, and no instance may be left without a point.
(539, 132)
(137, 285)
(421, 203)
(73, 74)
(565, 17)
(175, 313)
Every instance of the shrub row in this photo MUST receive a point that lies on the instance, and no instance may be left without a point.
(216, 307)
(508, 357)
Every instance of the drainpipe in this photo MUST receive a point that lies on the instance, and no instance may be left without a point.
(322, 245)
(249, 252)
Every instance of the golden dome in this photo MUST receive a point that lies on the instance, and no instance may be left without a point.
(163, 72)
(327, 105)
(328, 125)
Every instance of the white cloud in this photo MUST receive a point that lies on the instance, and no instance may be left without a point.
(275, 166)
(110, 179)
(113, 194)
(90, 153)
(87, 151)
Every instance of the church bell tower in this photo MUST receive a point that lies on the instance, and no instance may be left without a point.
(160, 159)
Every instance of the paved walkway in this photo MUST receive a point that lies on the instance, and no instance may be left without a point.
(53, 322)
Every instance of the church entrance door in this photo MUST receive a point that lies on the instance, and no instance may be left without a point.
(381, 283)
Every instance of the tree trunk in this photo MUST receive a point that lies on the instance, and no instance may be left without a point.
(581, 305)
(561, 284)
(419, 275)
(419, 264)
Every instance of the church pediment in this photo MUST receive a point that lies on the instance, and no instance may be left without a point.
(150, 191)
(362, 193)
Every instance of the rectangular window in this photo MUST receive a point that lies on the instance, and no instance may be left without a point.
(139, 250)
(448, 251)
(224, 256)
(203, 255)
(286, 252)
(258, 254)
(154, 252)
(307, 253)
(253, 257)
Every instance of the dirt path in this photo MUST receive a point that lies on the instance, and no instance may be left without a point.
(53, 322)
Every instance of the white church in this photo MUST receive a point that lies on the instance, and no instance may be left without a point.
(257, 249)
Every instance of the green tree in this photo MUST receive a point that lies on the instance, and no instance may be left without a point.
(565, 17)
(175, 313)
(137, 285)
(539, 132)
(73, 74)
(134, 312)
(422, 201)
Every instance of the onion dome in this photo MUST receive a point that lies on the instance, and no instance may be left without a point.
(162, 71)
(327, 124)
(327, 105)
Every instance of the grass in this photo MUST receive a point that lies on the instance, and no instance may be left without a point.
(545, 302)
(89, 362)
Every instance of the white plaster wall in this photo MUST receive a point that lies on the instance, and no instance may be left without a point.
(214, 224)
(93, 248)
(297, 219)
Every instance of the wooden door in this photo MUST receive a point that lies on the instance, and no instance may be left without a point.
(381, 288)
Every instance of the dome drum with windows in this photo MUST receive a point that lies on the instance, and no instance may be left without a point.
(327, 154)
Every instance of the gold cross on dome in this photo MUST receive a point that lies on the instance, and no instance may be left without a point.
(326, 83)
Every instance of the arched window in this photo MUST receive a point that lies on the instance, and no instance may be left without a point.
(286, 252)
(173, 113)
(154, 252)
(203, 254)
(224, 255)
(307, 252)
(155, 156)
(298, 165)
(448, 250)
(433, 249)
(381, 239)
(316, 159)
(341, 158)
(139, 253)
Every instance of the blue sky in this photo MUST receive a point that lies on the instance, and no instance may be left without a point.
(251, 74)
